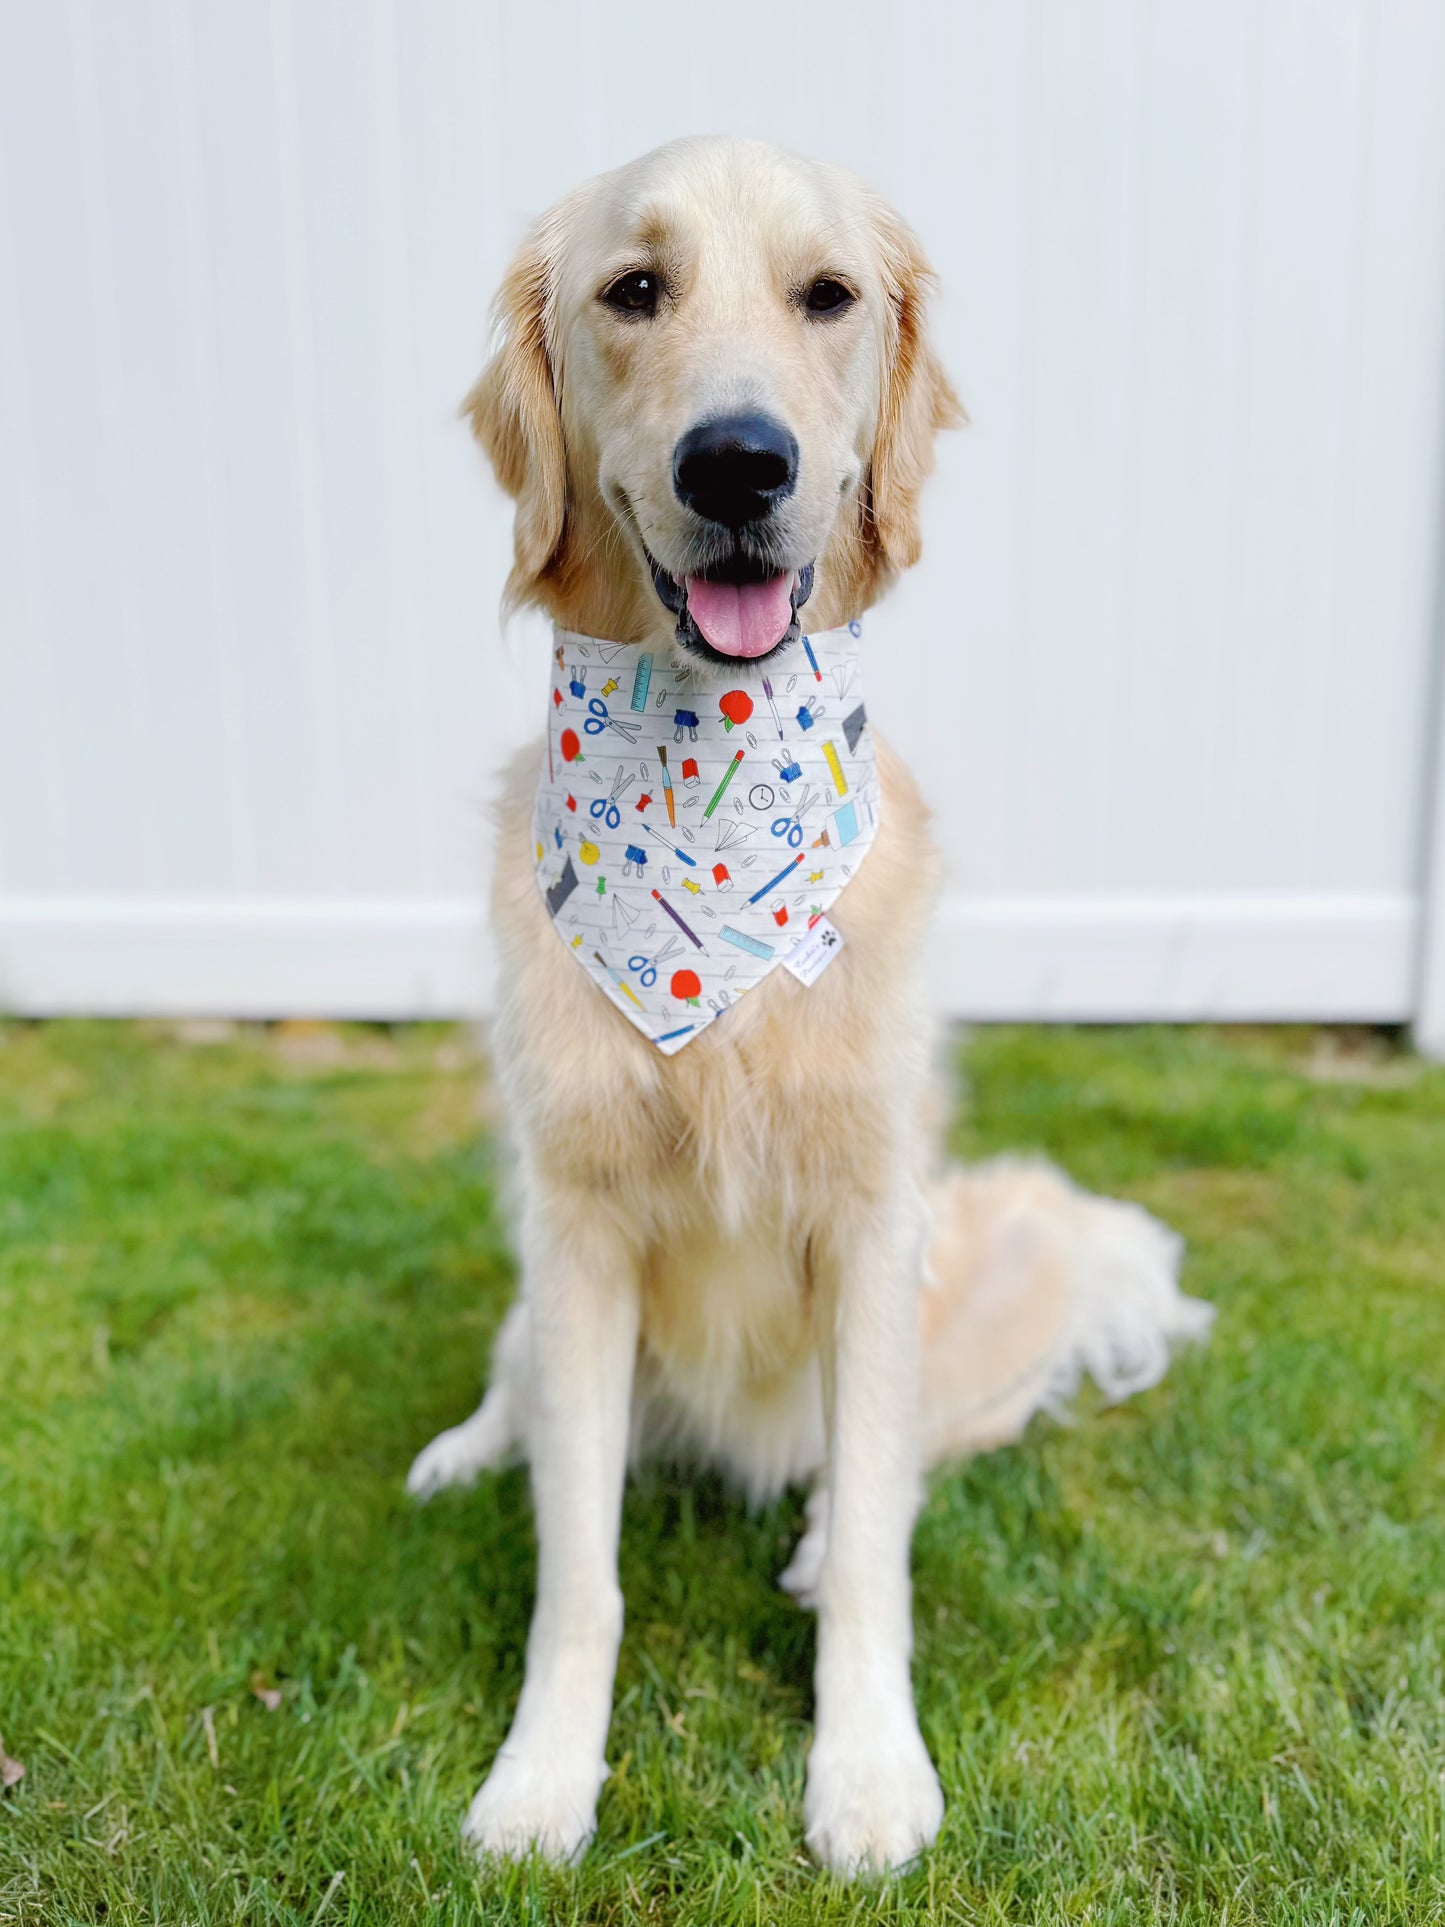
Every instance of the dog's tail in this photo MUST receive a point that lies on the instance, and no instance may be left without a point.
(1032, 1286)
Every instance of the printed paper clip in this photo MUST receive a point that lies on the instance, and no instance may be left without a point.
(728, 775)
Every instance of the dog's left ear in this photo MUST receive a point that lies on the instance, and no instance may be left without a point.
(917, 399)
(514, 415)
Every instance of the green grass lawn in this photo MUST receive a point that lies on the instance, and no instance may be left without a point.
(1181, 1661)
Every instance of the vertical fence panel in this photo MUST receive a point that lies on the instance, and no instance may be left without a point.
(1176, 601)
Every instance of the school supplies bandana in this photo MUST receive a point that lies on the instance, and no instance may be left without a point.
(689, 832)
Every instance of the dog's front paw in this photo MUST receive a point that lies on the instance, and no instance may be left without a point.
(529, 1803)
(455, 1457)
(873, 1801)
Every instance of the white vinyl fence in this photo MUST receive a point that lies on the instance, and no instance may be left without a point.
(1181, 579)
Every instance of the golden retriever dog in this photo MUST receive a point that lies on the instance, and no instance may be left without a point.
(713, 398)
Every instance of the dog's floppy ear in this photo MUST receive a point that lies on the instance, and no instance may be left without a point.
(917, 400)
(514, 415)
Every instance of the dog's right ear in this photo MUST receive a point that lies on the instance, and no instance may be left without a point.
(514, 415)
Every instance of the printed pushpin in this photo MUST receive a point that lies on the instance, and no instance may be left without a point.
(588, 851)
(643, 801)
(609, 685)
(694, 888)
(571, 802)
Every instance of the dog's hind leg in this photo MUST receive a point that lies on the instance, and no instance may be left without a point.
(495, 1432)
(1032, 1285)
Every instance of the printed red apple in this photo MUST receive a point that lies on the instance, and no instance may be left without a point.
(687, 984)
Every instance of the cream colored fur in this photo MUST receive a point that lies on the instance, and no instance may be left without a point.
(741, 1255)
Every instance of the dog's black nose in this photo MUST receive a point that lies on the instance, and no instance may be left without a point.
(735, 468)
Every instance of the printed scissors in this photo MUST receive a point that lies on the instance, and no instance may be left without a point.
(606, 806)
(598, 720)
(791, 827)
(648, 966)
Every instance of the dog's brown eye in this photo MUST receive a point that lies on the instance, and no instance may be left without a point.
(827, 296)
(634, 293)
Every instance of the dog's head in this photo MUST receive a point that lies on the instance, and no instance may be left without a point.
(713, 396)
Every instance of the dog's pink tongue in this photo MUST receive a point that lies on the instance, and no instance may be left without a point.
(741, 619)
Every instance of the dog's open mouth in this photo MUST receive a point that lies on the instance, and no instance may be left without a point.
(734, 612)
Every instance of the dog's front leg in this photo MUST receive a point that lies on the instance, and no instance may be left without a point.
(580, 1280)
(872, 1799)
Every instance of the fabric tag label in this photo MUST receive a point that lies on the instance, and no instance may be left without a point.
(810, 958)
